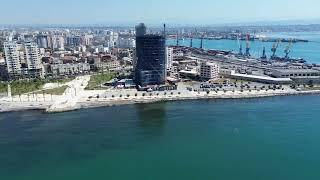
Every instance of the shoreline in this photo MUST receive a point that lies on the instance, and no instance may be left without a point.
(95, 103)
(76, 97)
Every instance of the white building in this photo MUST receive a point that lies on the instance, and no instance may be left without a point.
(127, 43)
(57, 42)
(69, 69)
(32, 55)
(112, 39)
(33, 60)
(12, 58)
(101, 49)
(102, 63)
(81, 48)
(169, 57)
(23, 60)
(209, 70)
(108, 65)
(86, 40)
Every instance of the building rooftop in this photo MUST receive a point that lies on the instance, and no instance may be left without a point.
(192, 72)
(266, 78)
(296, 70)
(210, 64)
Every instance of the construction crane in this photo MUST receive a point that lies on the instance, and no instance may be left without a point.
(275, 48)
(288, 49)
(248, 46)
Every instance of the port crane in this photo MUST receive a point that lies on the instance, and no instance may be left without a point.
(201, 44)
(177, 39)
(288, 49)
(264, 56)
(240, 46)
(248, 46)
(274, 49)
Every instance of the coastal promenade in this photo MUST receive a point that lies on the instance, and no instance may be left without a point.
(69, 100)
(76, 97)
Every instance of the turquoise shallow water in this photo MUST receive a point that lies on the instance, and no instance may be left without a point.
(309, 51)
(271, 138)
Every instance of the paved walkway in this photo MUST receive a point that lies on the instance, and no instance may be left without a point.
(72, 95)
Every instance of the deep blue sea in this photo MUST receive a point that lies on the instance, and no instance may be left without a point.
(309, 51)
(273, 138)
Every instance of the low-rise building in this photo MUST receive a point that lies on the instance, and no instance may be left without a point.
(108, 64)
(209, 70)
(191, 73)
(69, 69)
(255, 78)
(127, 43)
(292, 73)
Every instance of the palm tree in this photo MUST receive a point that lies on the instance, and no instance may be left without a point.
(128, 95)
(120, 95)
(112, 96)
(44, 97)
(135, 94)
(179, 93)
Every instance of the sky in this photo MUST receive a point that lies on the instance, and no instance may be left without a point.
(200, 12)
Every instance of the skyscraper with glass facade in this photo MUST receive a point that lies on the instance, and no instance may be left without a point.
(150, 65)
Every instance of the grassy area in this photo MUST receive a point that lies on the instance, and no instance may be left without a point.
(3, 87)
(97, 80)
(22, 87)
(26, 86)
(55, 91)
